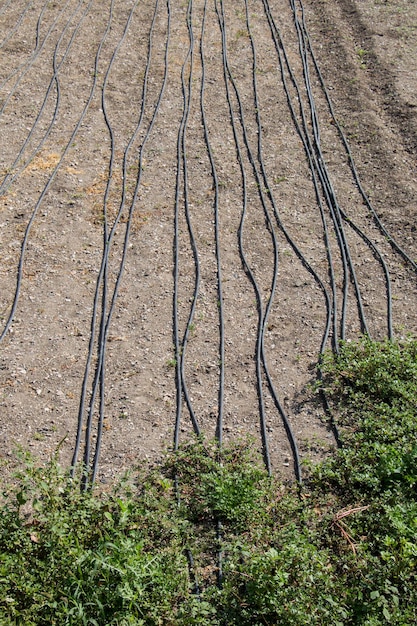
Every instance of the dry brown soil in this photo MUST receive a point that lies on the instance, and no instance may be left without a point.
(71, 94)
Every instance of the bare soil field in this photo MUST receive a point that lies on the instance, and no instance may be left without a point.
(196, 199)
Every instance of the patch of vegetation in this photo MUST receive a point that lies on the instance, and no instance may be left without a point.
(374, 387)
(362, 55)
(342, 550)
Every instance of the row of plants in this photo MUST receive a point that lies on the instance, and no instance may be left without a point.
(209, 539)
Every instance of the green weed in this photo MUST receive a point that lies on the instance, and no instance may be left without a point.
(341, 550)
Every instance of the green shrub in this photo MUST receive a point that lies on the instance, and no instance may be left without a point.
(340, 551)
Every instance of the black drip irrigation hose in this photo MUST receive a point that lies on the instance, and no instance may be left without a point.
(326, 186)
(193, 575)
(187, 98)
(16, 26)
(305, 46)
(302, 29)
(5, 6)
(283, 62)
(9, 178)
(36, 48)
(219, 425)
(332, 310)
(32, 59)
(317, 164)
(90, 469)
(352, 165)
(220, 414)
(260, 177)
(380, 259)
(181, 190)
(269, 194)
(356, 177)
(240, 233)
(101, 286)
(271, 197)
(312, 147)
(131, 210)
(44, 192)
(328, 189)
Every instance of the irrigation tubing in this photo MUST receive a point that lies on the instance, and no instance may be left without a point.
(326, 181)
(315, 156)
(354, 170)
(182, 168)
(16, 26)
(90, 470)
(321, 180)
(245, 262)
(101, 285)
(129, 220)
(29, 65)
(278, 44)
(328, 191)
(307, 50)
(46, 189)
(270, 195)
(8, 180)
(318, 182)
(220, 414)
(35, 50)
(351, 161)
(219, 425)
(193, 575)
(278, 219)
(261, 359)
(283, 62)
(228, 77)
(5, 6)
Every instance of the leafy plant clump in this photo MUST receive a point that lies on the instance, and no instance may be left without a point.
(208, 538)
(374, 388)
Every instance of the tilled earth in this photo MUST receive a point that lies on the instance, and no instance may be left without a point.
(197, 198)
